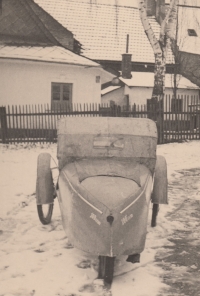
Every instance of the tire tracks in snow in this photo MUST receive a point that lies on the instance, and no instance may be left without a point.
(181, 259)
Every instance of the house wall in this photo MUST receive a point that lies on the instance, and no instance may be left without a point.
(25, 82)
(188, 58)
(139, 95)
(115, 95)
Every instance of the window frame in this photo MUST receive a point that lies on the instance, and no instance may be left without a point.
(61, 102)
(192, 32)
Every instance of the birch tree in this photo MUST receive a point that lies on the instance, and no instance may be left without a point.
(160, 46)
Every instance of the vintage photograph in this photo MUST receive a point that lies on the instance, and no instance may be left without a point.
(100, 147)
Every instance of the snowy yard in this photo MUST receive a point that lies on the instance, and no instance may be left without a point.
(38, 260)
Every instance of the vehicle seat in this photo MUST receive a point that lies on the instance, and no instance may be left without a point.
(108, 180)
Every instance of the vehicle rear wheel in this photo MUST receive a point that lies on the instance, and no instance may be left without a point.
(154, 214)
(106, 269)
(45, 191)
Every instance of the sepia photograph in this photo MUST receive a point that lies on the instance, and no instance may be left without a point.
(100, 147)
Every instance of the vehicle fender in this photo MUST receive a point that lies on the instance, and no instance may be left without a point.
(159, 193)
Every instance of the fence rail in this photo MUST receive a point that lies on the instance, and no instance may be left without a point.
(176, 120)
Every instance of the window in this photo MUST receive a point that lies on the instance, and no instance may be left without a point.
(61, 95)
(192, 32)
(177, 105)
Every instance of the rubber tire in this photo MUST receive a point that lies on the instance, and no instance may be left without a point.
(159, 194)
(106, 269)
(45, 191)
(45, 219)
(154, 214)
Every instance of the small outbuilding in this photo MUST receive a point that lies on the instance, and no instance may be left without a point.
(138, 89)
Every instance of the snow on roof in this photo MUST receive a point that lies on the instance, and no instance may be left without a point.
(145, 79)
(109, 89)
(102, 29)
(53, 54)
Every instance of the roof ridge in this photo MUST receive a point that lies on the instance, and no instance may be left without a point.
(39, 22)
(103, 4)
(188, 6)
(102, 32)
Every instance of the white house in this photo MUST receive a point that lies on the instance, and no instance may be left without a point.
(47, 75)
(40, 61)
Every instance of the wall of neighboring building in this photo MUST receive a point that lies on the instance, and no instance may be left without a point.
(26, 82)
(115, 96)
(139, 95)
(188, 57)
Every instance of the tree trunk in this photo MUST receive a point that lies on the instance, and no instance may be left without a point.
(159, 76)
(160, 47)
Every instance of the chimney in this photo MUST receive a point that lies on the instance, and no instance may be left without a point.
(126, 62)
(160, 11)
(151, 7)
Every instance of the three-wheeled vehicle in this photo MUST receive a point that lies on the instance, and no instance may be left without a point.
(109, 175)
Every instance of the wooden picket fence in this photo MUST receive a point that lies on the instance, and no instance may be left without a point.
(176, 120)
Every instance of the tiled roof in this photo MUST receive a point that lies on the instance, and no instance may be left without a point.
(24, 22)
(102, 29)
(51, 54)
(145, 79)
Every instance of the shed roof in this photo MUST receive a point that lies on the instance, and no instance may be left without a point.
(109, 89)
(102, 29)
(54, 54)
(145, 79)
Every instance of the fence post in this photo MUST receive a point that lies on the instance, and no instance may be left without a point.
(3, 122)
(113, 110)
(155, 112)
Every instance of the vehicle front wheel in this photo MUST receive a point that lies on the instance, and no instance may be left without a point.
(45, 191)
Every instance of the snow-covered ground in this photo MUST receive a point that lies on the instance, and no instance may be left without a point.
(38, 260)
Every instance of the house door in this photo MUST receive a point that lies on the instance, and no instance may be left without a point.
(61, 96)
